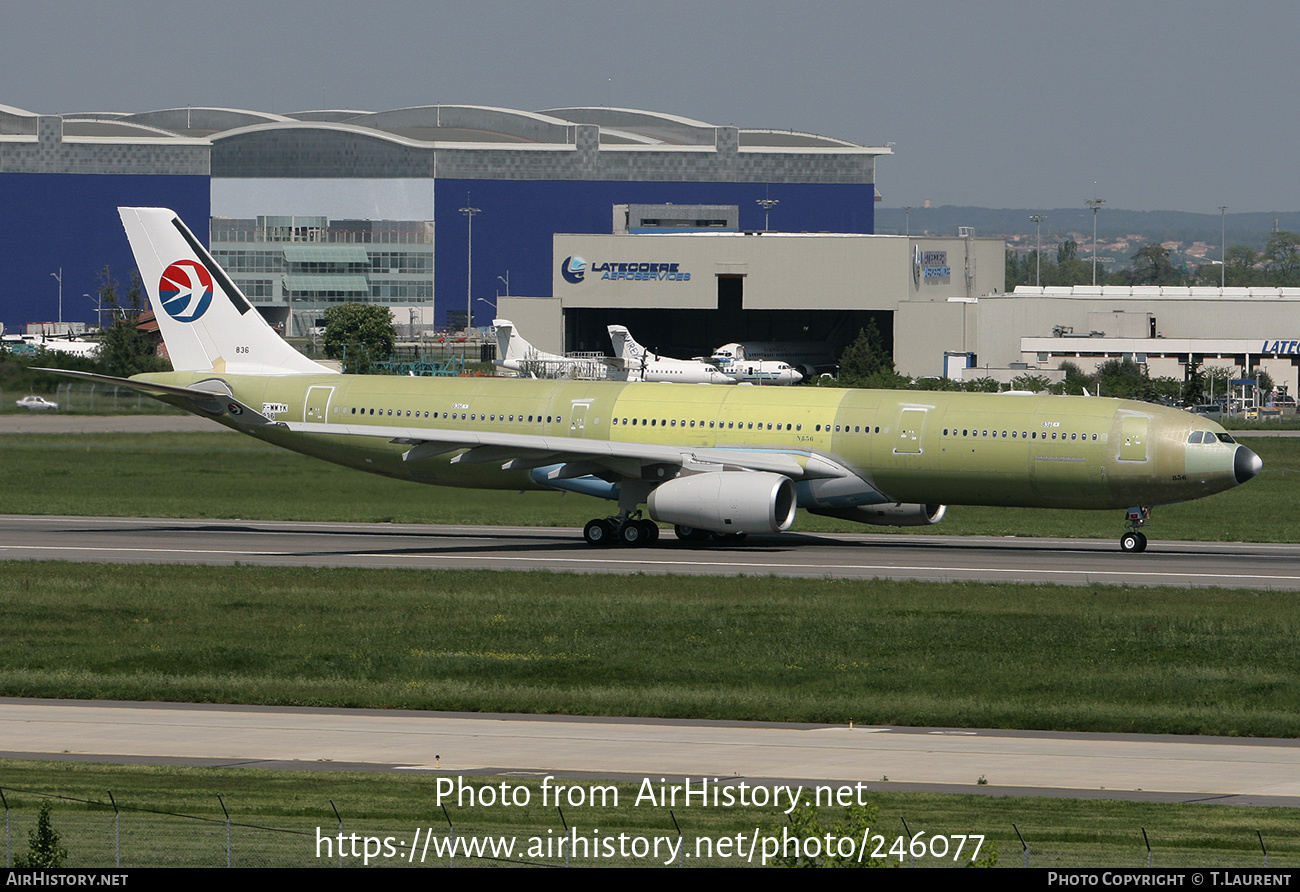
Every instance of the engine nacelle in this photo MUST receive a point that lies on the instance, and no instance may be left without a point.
(895, 514)
(726, 502)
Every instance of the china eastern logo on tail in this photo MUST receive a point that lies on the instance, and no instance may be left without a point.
(185, 290)
(573, 269)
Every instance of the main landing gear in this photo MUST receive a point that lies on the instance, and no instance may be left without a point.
(1133, 540)
(627, 529)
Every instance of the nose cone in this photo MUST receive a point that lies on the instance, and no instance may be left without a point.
(1245, 464)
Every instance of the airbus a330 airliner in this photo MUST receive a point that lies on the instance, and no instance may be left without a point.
(712, 461)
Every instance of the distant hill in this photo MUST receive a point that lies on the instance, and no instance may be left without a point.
(1251, 229)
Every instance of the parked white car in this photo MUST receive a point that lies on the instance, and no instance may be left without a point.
(37, 403)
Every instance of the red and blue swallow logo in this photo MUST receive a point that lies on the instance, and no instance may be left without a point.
(185, 290)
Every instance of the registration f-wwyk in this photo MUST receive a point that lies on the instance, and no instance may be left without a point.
(714, 462)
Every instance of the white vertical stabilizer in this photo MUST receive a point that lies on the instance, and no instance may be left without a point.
(625, 348)
(512, 349)
(206, 321)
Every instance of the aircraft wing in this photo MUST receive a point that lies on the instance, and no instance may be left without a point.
(620, 459)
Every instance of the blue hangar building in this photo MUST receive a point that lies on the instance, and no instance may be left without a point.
(395, 207)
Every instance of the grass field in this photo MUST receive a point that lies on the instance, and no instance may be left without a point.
(224, 476)
(171, 817)
(1092, 658)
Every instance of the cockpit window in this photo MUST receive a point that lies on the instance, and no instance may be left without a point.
(1195, 436)
(1224, 438)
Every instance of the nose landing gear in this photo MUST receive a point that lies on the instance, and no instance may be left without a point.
(1134, 540)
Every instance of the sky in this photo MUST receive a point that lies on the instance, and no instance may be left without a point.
(1155, 105)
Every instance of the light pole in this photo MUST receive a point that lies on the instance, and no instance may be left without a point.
(1223, 246)
(506, 279)
(1038, 250)
(1095, 204)
(59, 276)
(469, 213)
(907, 222)
(767, 204)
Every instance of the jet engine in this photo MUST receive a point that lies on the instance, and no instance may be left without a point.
(726, 502)
(897, 514)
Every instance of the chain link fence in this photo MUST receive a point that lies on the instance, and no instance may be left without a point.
(101, 399)
(109, 833)
(93, 399)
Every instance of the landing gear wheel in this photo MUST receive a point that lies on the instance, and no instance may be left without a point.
(651, 532)
(731, 538)
(1133, 542)
(691, 534)
(633, 534)
(599, 533)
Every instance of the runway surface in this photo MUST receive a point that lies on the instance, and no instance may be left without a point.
(831, 556)
(1117, 766)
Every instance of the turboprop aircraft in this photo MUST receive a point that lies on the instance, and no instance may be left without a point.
(639, 364)
(712, 461)
(761, 371)
(809, 357)
(517, 355)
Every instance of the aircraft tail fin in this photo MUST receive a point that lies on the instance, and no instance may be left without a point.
(206, 321)
(625, 347)
(511, 346)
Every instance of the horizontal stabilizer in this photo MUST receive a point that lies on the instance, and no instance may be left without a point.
(214, 401)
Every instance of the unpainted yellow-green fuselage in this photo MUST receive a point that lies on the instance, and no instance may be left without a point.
(914, 446)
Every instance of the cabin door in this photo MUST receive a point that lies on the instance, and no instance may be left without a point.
(318, 403)
(1133, 438)
(910, 424)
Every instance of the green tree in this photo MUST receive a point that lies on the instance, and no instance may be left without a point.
(1193, 384)
(1069, 269)
(935, 383)
(43, 849)
(867, 362)
(124, 349)
(1282, 258)
(360, 334)
(1240, 262)
(1263, 381)
(1152, 265)
(1168, 390)
(1031, 383)
(1125, 379)
(1217, 378)
(1013, 270)
(1075, 380)
(985, 384)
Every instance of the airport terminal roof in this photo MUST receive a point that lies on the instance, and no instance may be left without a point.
(461, 124)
